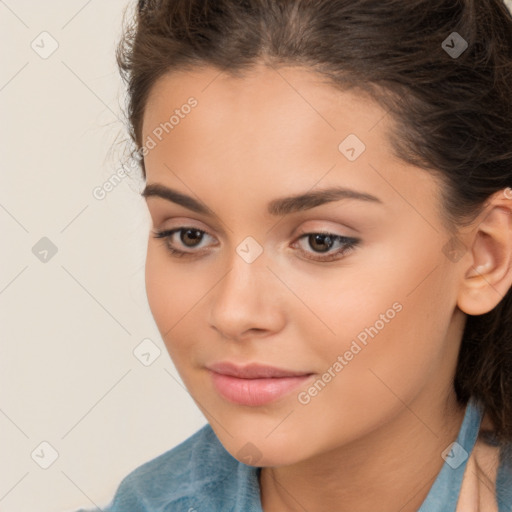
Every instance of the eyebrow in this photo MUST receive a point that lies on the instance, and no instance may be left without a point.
(279, 206)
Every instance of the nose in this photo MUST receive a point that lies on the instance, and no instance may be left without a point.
(247, 302)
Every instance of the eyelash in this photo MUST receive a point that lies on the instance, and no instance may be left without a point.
(349, 243)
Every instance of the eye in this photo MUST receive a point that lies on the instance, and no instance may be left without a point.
(320, 242)
(189, 237)
(323, 242)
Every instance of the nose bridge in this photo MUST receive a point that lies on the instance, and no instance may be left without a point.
(242, 299)
(247, 275)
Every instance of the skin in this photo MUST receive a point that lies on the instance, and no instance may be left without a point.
(388, 415)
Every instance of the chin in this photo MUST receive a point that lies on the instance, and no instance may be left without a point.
(259, 451)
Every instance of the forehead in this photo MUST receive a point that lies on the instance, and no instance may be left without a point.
(265, 94)
(280, 116)
(281, 129)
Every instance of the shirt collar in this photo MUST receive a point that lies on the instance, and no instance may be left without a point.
(445, 490)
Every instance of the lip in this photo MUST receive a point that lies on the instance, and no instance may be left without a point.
(254, 384)
(253, 371)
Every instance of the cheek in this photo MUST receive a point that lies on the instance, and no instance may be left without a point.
(176, 292)
(388, 317)
(345, 300)
(158, 288)
(171, 294)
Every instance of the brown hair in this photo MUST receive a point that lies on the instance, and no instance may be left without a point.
(453, 113)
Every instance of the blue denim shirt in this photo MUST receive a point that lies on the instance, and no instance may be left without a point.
(199, 475)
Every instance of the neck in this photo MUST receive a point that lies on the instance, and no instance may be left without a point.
(369, 473)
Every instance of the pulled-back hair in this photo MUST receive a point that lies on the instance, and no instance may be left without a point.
(452, 113)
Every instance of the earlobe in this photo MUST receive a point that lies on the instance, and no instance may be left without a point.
(488, 274)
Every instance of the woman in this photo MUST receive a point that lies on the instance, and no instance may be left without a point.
(330, 262)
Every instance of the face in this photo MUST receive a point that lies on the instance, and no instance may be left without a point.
(350, 297)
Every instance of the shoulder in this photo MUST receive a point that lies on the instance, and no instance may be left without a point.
(199, 471)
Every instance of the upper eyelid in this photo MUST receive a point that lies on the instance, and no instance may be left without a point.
(325, 231)
(301, 234)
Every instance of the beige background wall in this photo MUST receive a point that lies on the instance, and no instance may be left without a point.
(72, 300)
(69, 324)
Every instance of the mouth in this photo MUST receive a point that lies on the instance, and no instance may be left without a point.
(254, 384)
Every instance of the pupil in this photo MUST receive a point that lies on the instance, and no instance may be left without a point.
(186, 233)
(320, 237)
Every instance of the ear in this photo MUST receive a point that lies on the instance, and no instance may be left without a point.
(488, 271)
